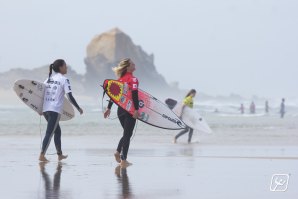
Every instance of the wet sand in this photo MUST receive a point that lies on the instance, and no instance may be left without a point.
(160, 170)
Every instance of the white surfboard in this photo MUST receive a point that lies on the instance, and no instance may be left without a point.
(31, 92)
(192, 118)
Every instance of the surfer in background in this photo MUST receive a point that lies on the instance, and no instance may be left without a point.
(282, 108)
(241, 109)
(56, 87)
(252, 108)
(266, 107)
(124, 72)
(188, 101)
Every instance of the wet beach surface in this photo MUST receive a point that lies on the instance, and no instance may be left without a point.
(159, 170)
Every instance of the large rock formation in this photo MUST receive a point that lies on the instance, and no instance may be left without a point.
(107, 49)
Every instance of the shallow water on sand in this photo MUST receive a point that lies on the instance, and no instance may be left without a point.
(238, 160)
(160, 170)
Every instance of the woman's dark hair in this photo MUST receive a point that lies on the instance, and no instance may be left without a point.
(56, 66)
(191, 92)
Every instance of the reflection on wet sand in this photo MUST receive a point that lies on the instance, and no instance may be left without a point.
(51, 191)
(123, 180)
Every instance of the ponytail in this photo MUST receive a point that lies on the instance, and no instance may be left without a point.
(55, 66)
(50, 72)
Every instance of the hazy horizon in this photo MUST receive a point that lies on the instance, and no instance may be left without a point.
(218, 47)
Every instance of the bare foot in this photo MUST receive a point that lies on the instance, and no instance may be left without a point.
(125, 163)
(174, 141)
(42, 158)
(117, 157)
(61, 157)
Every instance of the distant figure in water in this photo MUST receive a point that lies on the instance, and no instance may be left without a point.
(188, 101)
(241, 109)
(282, 108)
(252, 108)
(266, 106)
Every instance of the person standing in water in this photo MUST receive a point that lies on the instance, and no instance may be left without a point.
(252, 108)
(241, 109)
(56, 85)
(188, 101)
(267, 107)
(282, 108)
(124, 72)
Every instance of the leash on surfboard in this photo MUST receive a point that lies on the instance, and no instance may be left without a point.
(135, 131)
(40, 132)
(102, 99)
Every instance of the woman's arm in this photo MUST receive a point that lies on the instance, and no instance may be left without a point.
(108, 111)
(135, 99)
(110, 104)
(74, 102)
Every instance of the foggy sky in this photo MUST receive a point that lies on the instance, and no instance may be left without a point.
(215, 46)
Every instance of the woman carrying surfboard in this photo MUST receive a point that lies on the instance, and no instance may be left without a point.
(188, 101)
(124, 71)
(56, 87)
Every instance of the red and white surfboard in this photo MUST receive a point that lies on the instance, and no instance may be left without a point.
(151, 110)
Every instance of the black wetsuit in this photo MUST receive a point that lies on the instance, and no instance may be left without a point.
(53, 127)
(185, 131)
(128, 123)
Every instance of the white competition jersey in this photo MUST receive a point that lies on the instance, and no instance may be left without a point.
(54, 93)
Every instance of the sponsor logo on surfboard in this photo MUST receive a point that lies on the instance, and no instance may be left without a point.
(141, 104)
(67, 114)
(115, 89)
(122, 99)
(33, 106)
(128, 106)
(125, 88)
(178, 122)
(144, 116)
